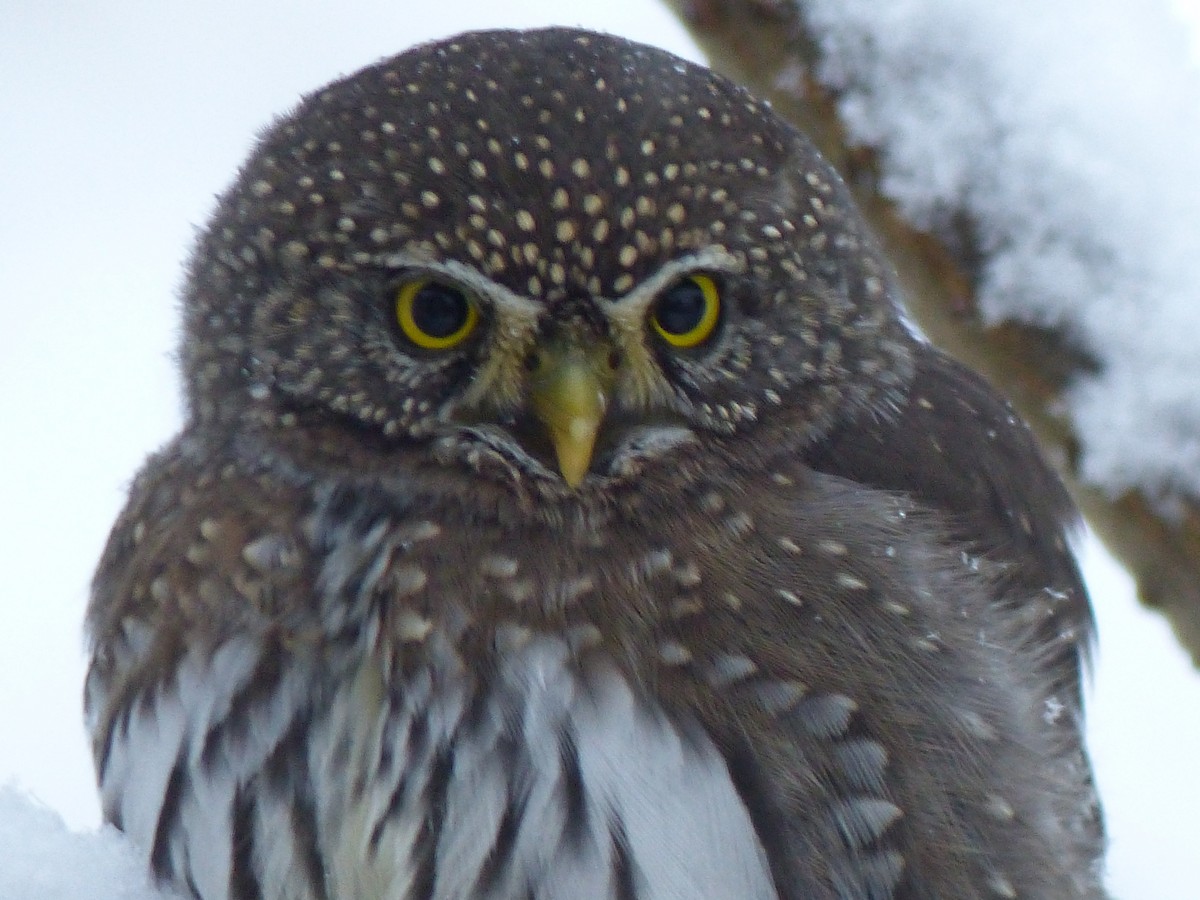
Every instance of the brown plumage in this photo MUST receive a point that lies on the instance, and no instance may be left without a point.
(564, 509)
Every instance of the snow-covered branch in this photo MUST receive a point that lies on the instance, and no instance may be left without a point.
(1034, 170)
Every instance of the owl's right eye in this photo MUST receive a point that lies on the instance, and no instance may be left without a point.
(434, 315)
(687, 313)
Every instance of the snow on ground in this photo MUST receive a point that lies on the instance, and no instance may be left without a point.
(125, 127)
(41, 859)
(1070, 131)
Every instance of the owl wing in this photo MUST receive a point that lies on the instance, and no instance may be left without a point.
(957, 447)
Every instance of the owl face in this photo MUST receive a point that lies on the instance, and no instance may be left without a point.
(564, 254)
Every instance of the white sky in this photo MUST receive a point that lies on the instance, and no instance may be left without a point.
(119, 128)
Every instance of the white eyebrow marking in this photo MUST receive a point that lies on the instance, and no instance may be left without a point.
(633, 306)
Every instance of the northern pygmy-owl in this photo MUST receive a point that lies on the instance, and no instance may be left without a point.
(565, 510)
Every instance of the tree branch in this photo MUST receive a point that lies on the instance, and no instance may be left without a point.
(765, 45)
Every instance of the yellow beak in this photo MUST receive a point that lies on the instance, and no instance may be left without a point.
(568, 390)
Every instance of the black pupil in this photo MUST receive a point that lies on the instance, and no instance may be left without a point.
(681, 308)
(439, 311)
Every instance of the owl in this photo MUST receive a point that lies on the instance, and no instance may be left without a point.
(565, 509)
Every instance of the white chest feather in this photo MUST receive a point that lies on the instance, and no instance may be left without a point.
(545, 782)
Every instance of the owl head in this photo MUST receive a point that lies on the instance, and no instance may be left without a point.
(552, 256)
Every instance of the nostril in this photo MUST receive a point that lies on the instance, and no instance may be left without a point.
(615, 359)
(533, 362)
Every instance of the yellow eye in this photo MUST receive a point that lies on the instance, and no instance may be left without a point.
(434, 316)
(686, 313)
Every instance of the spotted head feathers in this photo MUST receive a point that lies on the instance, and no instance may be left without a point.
(556, 177)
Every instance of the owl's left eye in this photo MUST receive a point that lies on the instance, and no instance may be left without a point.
(686, 314)
(434, 315)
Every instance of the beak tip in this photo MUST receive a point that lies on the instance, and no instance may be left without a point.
(574, 460)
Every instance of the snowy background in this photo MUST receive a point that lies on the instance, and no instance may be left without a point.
(119, 127)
